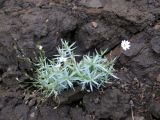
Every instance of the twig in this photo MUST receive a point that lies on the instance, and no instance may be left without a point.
(132, 113)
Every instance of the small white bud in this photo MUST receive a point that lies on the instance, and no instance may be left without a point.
(40, 47)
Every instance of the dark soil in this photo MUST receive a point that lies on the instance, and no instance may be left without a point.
(24, 24)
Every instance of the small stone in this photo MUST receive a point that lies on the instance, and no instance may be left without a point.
(153, 95)
(155, 42)
(155, 109)
(134, 49)
(158, 78)
(88, 91)
(96, 101)
(32, 102)
(74, 7)
(91, 3)
(21, 112)
(1, 3)
(69, 96)
(1, 106)
(95, 3)
(32, 115)
(26, 102)
(157, 27)
(94, 24)
(27, 97)
(46, 20)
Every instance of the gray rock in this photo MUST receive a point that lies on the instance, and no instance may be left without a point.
(158, 78)
(1, 106)
(7, 113)
(48, 113)
(10, 78)
(74, 112)
(155, 109)
(155, 42)
(46, 28)
(69, 96)
(145, 58)
(21, 112)
(134, 49)
(128, 15)
(124, 9)
(1, 3)
(107, 107)
(101, 37)
(91, 3)
(32, 102)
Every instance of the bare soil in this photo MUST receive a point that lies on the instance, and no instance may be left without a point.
(92, 24)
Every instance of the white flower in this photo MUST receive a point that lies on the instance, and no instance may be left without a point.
(58, 66)
(40, 47)
(62, 59)
(125, 44)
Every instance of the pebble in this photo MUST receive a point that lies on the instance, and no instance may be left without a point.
(158, 78)
(32, 115)
(155, 109)
(1, 106)
(27, 97)
(96, 101)
(94, 24)
(156, 27)
(91, 3)
(32, 102)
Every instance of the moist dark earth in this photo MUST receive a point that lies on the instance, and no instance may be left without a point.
(92, 24)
